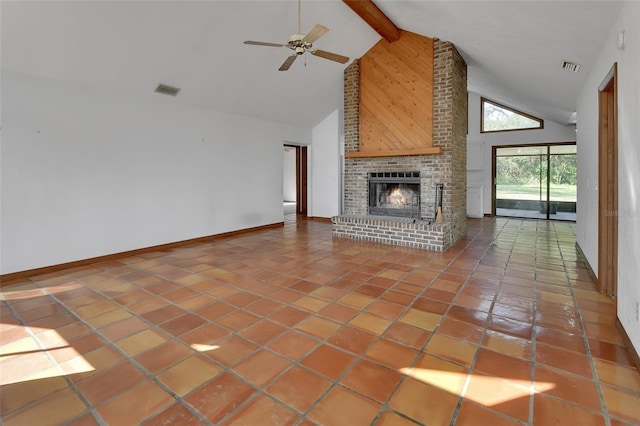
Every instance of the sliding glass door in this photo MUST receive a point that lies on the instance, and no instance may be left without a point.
(536, 181)
(562, 181)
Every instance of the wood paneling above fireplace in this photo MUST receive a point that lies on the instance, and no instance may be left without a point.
(396, 98)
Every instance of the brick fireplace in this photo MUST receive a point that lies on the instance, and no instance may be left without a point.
(447, 168)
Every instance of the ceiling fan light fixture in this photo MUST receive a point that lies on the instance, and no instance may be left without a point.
(302, 43)
(296, 39)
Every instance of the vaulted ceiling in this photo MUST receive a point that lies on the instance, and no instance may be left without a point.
(513, 49)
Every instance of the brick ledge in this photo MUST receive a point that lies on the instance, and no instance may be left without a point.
(420, 234)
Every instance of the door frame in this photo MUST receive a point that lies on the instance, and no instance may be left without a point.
(608, 184)
(301, 178)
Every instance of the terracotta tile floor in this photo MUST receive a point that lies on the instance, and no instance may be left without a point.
(291, 327)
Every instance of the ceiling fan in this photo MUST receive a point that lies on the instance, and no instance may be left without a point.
(302, 43)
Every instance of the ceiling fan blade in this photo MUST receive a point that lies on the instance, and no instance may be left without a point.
(262, 43)
(287, 63)
(316, 32)
(330, 56)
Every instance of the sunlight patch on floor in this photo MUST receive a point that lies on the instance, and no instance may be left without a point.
(486, 390)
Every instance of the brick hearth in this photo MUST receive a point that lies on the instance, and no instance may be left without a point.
(396, 231)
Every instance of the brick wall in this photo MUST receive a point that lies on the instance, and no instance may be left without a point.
(449, 133)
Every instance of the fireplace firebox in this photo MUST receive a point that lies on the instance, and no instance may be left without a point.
(394, 194)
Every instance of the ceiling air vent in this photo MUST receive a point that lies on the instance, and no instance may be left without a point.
(167, 90)
(570, 66)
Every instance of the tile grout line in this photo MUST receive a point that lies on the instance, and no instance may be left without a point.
(58, 367)
(594, 371)
(532, 390)
(363, 309)
(230, 370)
(426, 343)
(125, 307)
(362, 355)
(482, 337)
(324, 341)
(318, 252)
(133, 362)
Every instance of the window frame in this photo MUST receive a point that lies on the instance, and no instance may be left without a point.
(515, 111)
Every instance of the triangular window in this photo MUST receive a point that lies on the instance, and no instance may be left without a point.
(500, 118)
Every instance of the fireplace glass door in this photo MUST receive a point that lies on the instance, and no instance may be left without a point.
(394, 194)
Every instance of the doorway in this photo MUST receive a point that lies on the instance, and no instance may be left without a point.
(535, 181)
(608, 184)
(295, 181)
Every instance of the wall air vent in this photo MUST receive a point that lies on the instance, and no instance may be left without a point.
(167, 90)
(570, 66)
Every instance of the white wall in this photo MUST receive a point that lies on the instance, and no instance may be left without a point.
(86, 173)
(628, 61)
(289, 174)
(552, 132)
(325, 168)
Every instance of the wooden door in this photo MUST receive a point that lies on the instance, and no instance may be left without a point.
(608, 185)
(301, 178)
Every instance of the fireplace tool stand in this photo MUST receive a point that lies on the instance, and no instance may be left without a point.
(439, 215)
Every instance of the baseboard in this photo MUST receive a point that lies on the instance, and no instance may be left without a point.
(19, 277)
(635, 358)
(584, 260)
(320, 219)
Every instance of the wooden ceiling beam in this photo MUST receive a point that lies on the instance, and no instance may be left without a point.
(372, 15)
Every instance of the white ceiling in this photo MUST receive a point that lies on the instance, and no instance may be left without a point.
(513, 49)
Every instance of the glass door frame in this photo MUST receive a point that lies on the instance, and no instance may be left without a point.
(548, 154)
